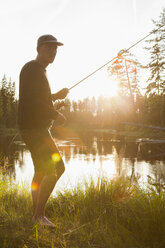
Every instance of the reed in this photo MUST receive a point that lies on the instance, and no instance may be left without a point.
(103, 214)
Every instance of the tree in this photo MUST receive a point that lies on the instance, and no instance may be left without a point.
(86, 104)
(4, 95)
(93, 106)
(124, 68)
(1, 108)
(80, 106)
(8, 103)
(156, 64)
(74, 106)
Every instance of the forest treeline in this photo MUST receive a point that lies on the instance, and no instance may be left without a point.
(131, 105)
(8, 104)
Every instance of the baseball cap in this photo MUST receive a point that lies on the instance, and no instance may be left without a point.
(48, 38)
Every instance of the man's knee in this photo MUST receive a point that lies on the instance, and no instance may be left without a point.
(61, 167)
(57, 169)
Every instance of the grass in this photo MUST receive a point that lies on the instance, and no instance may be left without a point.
(107, 214)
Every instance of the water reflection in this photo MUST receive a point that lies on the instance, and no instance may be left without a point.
(92, 156)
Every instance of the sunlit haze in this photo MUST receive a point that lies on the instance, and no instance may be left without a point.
(93, 32)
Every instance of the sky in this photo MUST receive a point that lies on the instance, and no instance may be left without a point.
(93, 32)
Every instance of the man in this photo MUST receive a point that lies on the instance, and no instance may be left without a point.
(35, 115)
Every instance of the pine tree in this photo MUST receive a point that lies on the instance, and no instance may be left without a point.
(1, 108)
(8, 103)
(4, 100)
(74, 106)
(156, 65)
(93, 107)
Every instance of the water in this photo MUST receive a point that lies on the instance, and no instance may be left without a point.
(92, 156)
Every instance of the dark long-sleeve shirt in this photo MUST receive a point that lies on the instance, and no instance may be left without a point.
(35, 108)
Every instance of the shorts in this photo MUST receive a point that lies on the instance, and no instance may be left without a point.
(44, 152)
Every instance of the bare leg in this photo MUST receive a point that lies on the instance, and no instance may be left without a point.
(46, 187)
(38, 176)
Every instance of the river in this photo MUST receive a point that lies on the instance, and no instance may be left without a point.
(91, 156)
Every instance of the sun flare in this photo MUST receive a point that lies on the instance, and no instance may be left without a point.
(109, 87)
(113, 87)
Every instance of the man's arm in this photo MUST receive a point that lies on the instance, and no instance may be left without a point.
(60, 94)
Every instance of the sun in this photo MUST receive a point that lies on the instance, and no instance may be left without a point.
(109, 87)
(113, 86)
(100, 84)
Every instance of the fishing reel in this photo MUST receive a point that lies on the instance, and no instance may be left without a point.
(60, 104)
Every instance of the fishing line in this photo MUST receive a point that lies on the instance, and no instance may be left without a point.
(124, 51)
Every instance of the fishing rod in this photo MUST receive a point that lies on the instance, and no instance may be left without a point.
(124, 51)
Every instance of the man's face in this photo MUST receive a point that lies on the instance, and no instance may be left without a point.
(48, 52)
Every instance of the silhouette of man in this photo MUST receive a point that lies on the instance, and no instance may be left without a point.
(35, 115)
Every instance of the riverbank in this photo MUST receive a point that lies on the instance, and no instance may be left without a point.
(132, 133)
(8, 131)
(109, 214)
(128, 133)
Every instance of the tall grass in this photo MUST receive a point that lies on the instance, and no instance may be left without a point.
(107, 214)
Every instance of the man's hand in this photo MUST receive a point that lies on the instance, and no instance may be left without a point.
(60, 94)
(60, 120)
